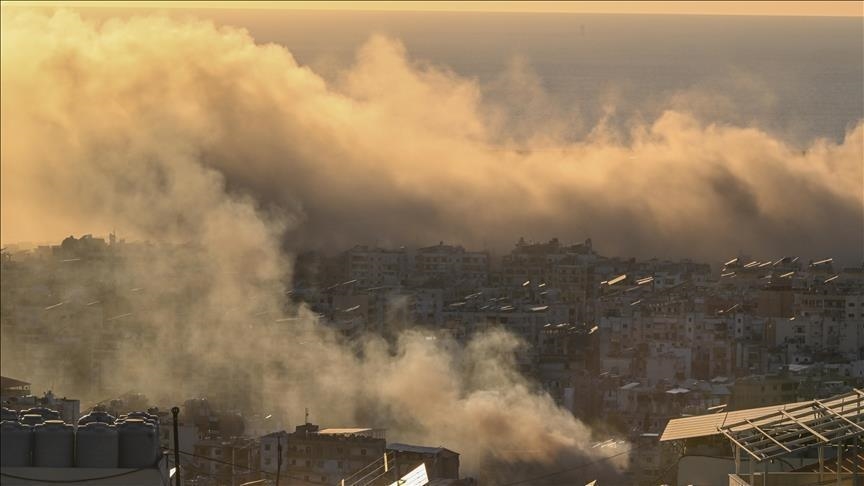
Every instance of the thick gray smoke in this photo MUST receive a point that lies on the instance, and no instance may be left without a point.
(172, 131)
(190, 134)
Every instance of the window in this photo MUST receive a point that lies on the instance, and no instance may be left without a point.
(267, 461)
(266, 447)
(362, 452)
(308, 463)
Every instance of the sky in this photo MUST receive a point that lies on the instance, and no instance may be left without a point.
(802, 8)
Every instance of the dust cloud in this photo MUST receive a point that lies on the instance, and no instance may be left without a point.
(225, 152)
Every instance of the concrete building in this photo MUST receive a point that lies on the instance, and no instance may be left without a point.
(441, 463)
(315, 456)
(12, 388)
(375, 267)
(451, 264)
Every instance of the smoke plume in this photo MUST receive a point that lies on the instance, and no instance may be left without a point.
(192, 135)
(397, 151)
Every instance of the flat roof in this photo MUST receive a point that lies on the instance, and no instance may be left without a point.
(709, 424)
(345, 431)
(6, 382)
(417, 449)
(80, 475)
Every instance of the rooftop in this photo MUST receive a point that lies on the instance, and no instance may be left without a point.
(709, 424)
(760, 431)
(814, 423)
(418, 449)
(355, 431)
(6, 382)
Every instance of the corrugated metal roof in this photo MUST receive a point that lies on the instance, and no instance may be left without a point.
(706, 425)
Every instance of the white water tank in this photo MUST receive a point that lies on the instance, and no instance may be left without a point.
(16, 444)
(138, 443)
(153, 420)
(97, 444)
(53, 444)
(143, 415)
(9, 414)
(46, 413)
(96, 416)
(31, 419)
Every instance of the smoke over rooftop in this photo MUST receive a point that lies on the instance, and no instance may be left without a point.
(185, 132)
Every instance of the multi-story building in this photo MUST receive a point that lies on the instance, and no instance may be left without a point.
(320, 456)
(761, 390)
(374, 267)
(450, 265)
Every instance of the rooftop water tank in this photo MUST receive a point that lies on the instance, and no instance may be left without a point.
(31, 419)
(97, 444)
(16, 444)
(96, 416)
(46, 413)
(152, 419)
(143, 415)
(53, 444)
(8, 414)
(138, 443)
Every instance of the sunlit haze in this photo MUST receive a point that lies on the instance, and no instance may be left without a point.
(484, 243)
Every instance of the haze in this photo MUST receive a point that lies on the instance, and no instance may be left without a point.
(647, 142)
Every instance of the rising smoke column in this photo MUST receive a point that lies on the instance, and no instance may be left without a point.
(107, 128)
(190, 134)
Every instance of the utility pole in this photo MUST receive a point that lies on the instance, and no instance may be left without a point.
(175, 411)
(278, 458)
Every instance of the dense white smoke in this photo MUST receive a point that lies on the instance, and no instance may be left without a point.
(191, 134)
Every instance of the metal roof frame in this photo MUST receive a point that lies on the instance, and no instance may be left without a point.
(809, 424)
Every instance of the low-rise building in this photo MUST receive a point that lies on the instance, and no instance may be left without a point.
(315, 456)
(441, 463)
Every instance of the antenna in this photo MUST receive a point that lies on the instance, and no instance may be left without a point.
(307, 415)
